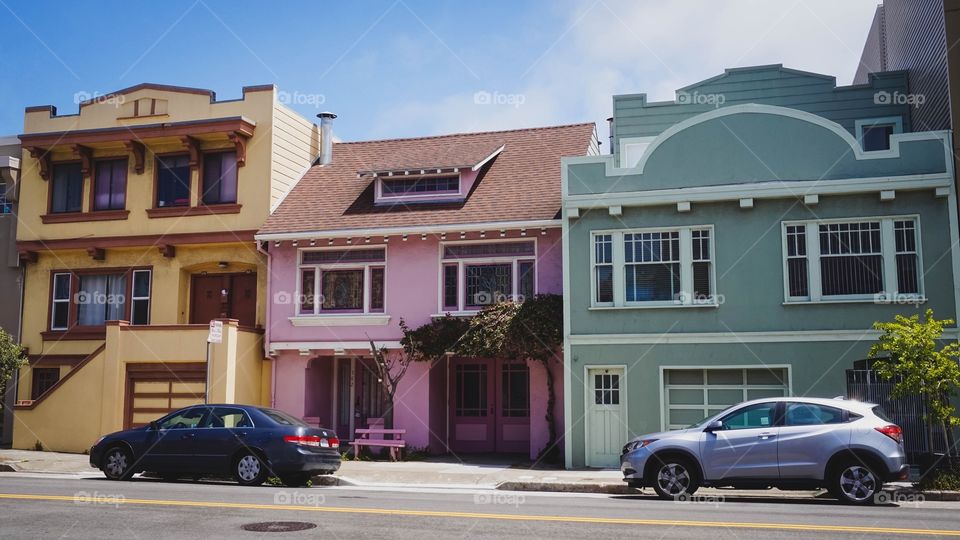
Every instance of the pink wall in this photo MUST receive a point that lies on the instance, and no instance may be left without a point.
(412, 287)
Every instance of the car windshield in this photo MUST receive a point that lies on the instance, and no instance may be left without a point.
(283, 418)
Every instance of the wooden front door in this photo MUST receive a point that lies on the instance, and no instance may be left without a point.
(218, 296)
(489, 406)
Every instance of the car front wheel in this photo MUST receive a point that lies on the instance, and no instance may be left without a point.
(249, 470)
(118, 463)
(856, 483)
(675, 479)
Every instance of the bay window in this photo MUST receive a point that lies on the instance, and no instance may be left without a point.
(852, 259)
(479, 274)
(338, 281)
(653, 267)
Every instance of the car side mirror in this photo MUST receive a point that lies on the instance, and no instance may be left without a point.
(153, 425)
(716, 425)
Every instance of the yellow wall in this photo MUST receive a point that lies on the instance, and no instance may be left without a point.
(90, 403)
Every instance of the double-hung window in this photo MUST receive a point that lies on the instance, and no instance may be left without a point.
(110, 184)
(653, 267)
(6, 207)
(67, 188)
(875, 259)
(342, 281)
(219, 178)
(479, 274)
(173, 181)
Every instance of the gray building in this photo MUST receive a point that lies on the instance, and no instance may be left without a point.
(740, 243)
(10, 277)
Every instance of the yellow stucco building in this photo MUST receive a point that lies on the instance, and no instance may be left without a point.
(136, 226)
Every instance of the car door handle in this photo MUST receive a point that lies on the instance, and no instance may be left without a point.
(187, 436)
(241, 434)
(766, 436)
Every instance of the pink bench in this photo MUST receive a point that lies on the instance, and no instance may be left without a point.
(396, 445)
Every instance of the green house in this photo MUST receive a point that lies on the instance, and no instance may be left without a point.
(739, 243)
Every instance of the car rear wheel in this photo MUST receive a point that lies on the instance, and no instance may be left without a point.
(855, 483)
(249, 469)
(675, 479)
(117, 463)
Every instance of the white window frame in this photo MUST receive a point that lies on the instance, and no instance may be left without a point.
(859, 125)
(54, 300)
(134, 299)
(686, 297)
(462, 263)
(444, 196)
(593, 270)
(665, 388)
(318, 270)
(887, 251)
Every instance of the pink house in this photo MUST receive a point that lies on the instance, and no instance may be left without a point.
(414, 229)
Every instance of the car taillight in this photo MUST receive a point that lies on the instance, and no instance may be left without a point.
(893, 431)
(313, 440)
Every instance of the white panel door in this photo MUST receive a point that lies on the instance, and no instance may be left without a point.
(606, 416)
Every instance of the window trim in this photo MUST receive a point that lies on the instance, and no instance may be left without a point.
(437, 196)
(72, 313)
(686, 269)
(859, 125)
(463, 262)
(887, 252)
(319, 269)
(134, 297)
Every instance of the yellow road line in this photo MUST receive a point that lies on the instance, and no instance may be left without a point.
(507, 517)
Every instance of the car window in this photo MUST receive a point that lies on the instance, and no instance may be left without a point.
(759, 415)
(881, 414)
(811, 414)
(283, 418)
(187, 419)
(227, 417)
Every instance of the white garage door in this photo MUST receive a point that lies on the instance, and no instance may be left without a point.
(692, 394)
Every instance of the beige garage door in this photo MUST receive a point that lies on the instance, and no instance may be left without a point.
(156, 389)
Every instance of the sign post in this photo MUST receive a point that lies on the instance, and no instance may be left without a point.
(214, 336)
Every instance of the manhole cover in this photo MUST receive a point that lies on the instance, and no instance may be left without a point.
(278, 526)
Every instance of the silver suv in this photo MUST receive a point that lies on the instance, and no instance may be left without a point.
(849, 448)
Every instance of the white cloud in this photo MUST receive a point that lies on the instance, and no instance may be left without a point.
(624, 46)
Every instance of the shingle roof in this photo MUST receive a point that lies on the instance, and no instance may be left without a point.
(522, 183)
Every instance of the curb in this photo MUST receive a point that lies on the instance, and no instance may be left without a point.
(562, 487)
(8, 467)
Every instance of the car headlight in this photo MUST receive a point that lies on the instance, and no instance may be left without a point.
(633, 445)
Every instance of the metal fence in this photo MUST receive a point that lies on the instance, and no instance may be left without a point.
(906, 412)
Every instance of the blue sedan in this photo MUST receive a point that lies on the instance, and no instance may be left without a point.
(248, 443)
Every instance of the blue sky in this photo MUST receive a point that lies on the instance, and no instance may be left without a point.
(397, 68)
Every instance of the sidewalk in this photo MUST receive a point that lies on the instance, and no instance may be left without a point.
(440, 472)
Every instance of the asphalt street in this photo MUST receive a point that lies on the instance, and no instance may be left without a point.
(45, 506)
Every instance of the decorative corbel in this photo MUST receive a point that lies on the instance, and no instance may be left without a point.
(85, 153)
(42, 155)
(139, 152)
(97, 254)
(240, 141)
(168, 250)
(27, 256)
(193, 146)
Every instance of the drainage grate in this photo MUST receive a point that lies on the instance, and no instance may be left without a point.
(278, 526)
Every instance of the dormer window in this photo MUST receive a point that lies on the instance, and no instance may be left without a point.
(429, 185)
(874, 133)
